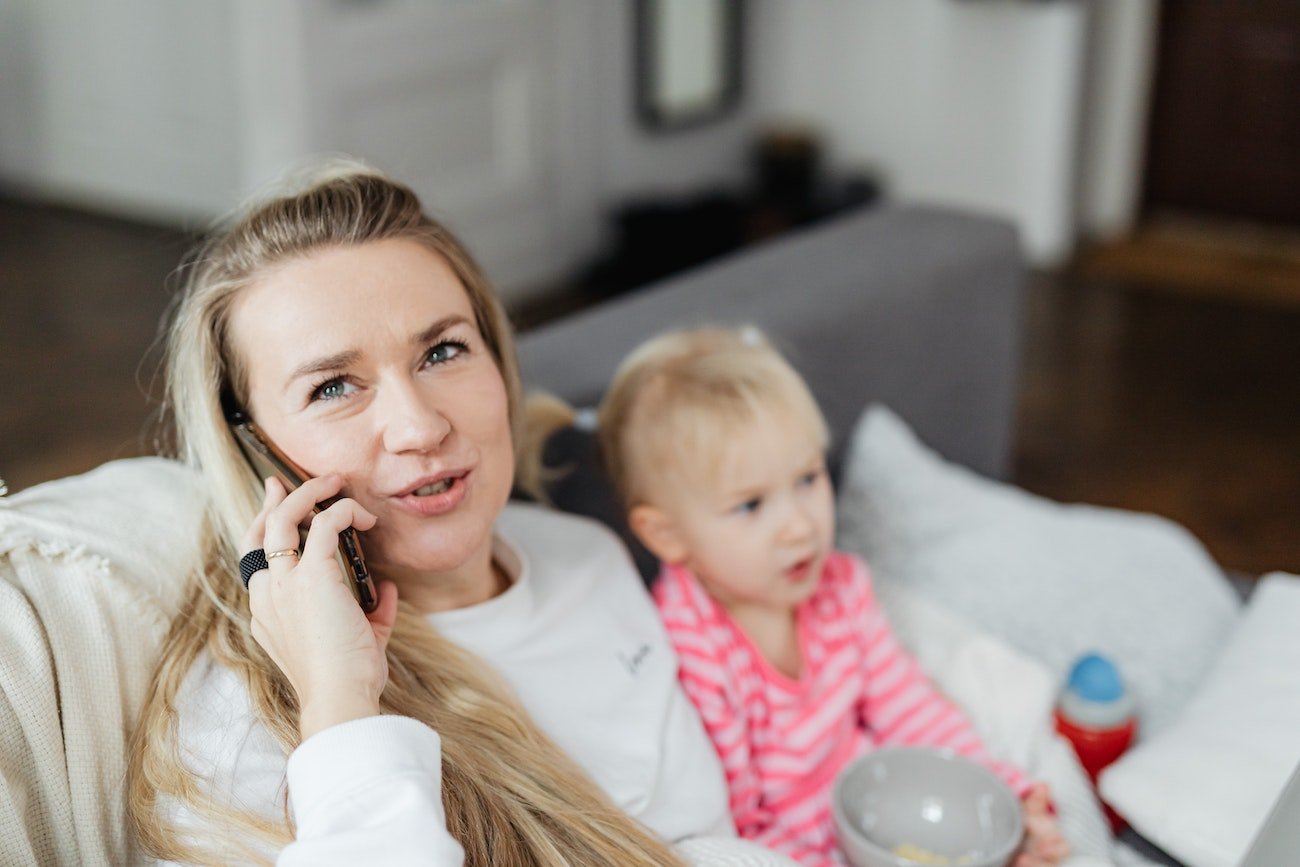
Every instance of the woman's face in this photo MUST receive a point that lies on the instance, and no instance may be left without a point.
(366, 361)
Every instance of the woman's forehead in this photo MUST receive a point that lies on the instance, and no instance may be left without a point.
(343, 299)
(392, 273)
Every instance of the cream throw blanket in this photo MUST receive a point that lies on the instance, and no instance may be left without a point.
(91, 569)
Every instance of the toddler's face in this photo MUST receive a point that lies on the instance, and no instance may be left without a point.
(759, 535)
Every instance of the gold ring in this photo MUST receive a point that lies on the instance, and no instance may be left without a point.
(287, 552)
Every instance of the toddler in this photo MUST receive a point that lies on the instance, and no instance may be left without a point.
(718, 451)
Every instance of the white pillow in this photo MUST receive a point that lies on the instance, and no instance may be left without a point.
(1203, 787)
(1008, 698)
(1053, 581)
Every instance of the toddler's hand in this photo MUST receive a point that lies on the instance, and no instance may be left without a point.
(1044, 844)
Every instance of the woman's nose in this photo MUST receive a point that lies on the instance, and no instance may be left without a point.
(411, 421)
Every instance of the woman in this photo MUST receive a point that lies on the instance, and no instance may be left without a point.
(366, 344)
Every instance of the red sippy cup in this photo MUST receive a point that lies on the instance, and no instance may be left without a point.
(1096, 714)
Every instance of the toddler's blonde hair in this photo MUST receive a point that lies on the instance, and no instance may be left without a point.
(676, 400)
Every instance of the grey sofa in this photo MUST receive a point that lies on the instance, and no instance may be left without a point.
(917, 308)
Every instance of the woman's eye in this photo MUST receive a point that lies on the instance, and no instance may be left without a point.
(808, 479)
(332, 389)
(445, 351)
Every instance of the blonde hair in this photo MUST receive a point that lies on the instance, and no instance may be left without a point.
(675, 400)
(512, 797)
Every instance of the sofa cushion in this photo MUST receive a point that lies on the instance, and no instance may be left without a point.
(1202, 788)
(1053, 580)
(1008, 697)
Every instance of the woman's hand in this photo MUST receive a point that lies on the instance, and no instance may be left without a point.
(305, 616)
(1044, 844)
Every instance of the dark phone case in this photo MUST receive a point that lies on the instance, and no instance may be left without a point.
(267, 460)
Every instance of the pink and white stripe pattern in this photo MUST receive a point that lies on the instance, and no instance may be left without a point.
(782, 741)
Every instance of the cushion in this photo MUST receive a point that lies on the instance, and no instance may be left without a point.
(1008, 698)
(1052, 580)
(1202, 788)
(577, 483)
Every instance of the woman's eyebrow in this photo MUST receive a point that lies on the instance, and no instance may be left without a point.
(328, 362)
(351, 356)
(438, 327)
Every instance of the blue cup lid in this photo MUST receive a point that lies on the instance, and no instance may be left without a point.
(1095, 678)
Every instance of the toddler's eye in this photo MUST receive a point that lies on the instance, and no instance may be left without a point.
(810, 478)
(749, 507)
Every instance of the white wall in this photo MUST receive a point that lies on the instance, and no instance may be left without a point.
(91, 113)
(969, 104)
(177, 111)
(20, 88)
(1121, 66)
(633, 161)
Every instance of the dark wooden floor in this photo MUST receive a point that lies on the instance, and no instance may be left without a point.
(1132, 395)
(1183, 405)
(80, 301)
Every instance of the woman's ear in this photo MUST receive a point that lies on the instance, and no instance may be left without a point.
(658, 532)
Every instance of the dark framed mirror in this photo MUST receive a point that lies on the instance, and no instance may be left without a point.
(688, 61)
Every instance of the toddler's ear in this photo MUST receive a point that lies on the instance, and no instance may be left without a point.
(658, 532)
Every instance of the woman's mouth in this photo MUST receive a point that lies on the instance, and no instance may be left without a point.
(436, 496)
(435, 488)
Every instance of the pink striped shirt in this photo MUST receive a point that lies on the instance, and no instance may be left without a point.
(782, 741)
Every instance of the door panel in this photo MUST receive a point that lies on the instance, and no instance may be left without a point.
(1225, 125)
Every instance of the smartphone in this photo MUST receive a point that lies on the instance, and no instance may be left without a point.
(266, 460)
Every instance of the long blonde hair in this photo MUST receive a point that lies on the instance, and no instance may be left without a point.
(512, 797)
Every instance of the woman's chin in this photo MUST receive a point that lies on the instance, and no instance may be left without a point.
(426, 553)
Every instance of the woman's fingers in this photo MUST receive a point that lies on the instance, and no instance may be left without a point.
(272, 495)
(257, 534)
(304, 616)
(385, 613)
(323, 537)
(293, 510)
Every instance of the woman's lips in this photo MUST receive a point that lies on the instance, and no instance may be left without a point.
(447, 493)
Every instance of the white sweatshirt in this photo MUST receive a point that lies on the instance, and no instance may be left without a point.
(577, 637)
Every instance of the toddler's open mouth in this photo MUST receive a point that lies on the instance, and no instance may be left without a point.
(799, 571)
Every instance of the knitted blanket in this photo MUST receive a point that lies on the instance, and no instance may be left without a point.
(86, 593)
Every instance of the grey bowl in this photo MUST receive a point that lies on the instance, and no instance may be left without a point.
(935, 800)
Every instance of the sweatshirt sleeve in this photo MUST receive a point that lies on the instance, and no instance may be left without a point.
(899, 705)
(369, 791)
(709, 684)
